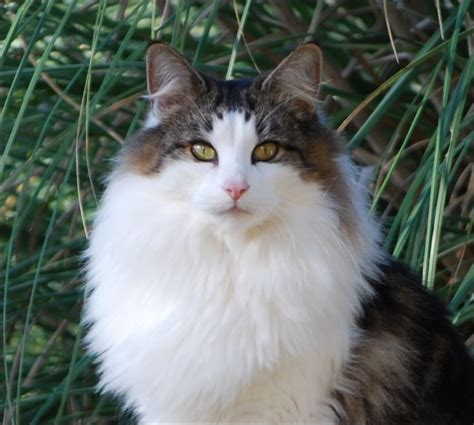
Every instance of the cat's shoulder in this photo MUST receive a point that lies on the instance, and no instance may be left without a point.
(398, 291)
(409, 365)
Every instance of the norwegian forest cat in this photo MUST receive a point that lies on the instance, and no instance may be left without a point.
(235, 276)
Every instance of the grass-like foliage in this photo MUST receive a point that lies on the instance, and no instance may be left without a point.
(398, 84)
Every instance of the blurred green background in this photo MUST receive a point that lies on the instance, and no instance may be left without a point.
(398, 82)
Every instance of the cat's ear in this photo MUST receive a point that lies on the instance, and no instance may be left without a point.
(171, 80)
(297, 79)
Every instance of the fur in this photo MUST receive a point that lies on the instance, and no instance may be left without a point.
(200, 314)
(409, 366)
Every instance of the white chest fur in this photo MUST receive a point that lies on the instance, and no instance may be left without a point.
(192, 324)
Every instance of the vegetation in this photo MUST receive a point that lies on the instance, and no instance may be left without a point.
(398, 83)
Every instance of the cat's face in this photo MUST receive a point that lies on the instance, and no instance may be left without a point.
(236, 153)
(233, 185)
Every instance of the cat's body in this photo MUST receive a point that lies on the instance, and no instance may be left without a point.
(409, 367)
(245, 284)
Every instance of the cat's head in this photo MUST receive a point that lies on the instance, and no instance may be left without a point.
(242, 152)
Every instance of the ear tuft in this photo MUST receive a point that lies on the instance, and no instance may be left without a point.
(171, 81)
(297, 79)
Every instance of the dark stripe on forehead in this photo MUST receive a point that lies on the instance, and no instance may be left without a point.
(232, 94)
(207, 124)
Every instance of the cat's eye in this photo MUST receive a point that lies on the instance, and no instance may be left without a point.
(203, 151)
(265, 151)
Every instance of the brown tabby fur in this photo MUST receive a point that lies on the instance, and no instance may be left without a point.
(410, 366)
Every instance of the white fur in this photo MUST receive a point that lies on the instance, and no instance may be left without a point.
(200, 315)
(153, 117)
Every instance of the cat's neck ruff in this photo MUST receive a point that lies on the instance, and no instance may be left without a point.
(177, 297)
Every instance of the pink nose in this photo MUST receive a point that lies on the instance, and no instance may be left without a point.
(236, 190)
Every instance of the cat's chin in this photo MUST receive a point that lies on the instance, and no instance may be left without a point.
(235, 217)
(229, 212)
(235, 211)
(234, 227)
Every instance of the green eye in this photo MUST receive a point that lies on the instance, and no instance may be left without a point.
(265, 151)
(203, 152)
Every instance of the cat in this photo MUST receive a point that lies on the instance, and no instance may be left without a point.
(235, 275)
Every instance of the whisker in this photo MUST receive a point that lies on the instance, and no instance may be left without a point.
(284, 226)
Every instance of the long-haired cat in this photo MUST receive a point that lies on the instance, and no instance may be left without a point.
(234, 273)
